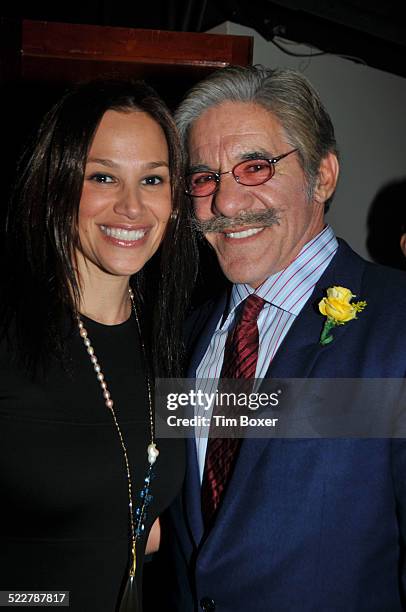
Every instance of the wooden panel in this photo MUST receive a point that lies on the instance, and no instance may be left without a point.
(68, 52)
(148, 46)
(52, 55)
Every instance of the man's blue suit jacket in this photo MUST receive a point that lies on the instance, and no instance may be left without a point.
(307, 524)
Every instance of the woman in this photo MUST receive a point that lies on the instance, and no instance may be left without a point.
(97, 193)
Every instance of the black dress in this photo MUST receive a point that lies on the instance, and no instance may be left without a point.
(63, 486)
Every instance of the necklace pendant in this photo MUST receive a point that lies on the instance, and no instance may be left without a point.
(153, 453)
(129, 601)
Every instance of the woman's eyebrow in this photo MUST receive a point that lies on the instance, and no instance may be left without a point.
(112, 164)
(102, 161)
(157, 164)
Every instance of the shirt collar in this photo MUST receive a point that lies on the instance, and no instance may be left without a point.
(290, 288)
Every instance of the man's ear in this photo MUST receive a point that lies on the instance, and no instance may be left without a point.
(327, 178)
(403, 243)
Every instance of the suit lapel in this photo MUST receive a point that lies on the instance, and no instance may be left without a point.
(208, 327)
(301, 347)
(192, 502)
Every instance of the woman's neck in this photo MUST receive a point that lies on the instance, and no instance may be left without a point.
(105, 302)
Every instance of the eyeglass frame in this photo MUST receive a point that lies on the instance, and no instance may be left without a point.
(217, 175)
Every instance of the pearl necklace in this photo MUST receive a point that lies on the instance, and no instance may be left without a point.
(137, 518)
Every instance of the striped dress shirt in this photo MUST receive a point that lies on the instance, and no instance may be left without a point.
(285, 293)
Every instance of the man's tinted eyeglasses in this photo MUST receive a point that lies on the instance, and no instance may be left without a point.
(250, 173)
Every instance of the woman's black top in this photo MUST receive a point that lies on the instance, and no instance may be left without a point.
(63, 485)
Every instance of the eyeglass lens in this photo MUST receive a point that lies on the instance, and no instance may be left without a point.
(250, 172)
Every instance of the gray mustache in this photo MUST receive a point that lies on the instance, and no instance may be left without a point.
(264, 218)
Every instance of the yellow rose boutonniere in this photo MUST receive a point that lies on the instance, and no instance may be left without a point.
(338, 309)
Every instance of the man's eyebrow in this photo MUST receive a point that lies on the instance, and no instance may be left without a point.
(258, 154)
(199, 168)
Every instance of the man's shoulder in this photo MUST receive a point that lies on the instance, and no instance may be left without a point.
(382, 281)
(385, 277)
(384, 291)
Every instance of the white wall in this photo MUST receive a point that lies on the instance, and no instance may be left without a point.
(368, 109)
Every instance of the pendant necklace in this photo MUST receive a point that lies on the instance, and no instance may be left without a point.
(129, 601)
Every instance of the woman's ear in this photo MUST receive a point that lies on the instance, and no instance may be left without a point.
(327, 178)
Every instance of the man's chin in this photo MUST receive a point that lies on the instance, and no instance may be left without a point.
(237, 276)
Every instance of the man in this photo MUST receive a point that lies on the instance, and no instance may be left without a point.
(296, 524)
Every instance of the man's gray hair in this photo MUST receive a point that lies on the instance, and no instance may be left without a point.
(286, 93)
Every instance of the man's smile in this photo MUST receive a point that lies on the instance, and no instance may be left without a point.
(245, 233)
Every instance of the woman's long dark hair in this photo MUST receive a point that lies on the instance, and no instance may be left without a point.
(42, 229)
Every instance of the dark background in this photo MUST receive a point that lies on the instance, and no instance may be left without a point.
(372, 30)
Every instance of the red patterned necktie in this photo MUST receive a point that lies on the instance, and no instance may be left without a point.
(240, 361)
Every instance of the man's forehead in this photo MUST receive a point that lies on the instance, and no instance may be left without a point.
(229, 141)
(231, 146)
(234, 129)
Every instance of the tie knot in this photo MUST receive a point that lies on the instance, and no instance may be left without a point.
(252, 306)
